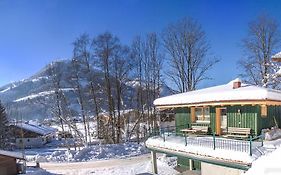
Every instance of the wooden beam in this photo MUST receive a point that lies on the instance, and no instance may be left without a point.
(192, 114)
(203, 113)
(218, 121)
(276, 59)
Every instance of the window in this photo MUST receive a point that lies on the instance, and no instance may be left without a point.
(201, 114)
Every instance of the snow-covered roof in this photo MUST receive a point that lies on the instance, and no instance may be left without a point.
(278, 55)
(17, 155)
(42, 130)
(220, 93)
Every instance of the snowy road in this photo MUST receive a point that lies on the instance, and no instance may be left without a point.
(56, 167)
(133, 165)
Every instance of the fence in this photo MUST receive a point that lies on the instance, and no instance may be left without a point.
(209, 140)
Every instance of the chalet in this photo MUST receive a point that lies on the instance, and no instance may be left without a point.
(30, 135)
(276, 57)
(8, 163)
(226, 117)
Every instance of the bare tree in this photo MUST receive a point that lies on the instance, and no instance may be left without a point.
(105, 47)
(261, 42)
(146, 53)
(154, 63)
(75, 80)
(56, 76)
(60, 108)
(188, 49)
(83, 54)
(137, 53)
(120, 70)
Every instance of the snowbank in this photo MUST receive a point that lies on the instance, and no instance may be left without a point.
(267, 164)
(272, 134)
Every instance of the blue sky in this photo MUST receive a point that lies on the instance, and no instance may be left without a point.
(33, 33)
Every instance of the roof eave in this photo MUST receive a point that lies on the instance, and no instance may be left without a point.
(276, 59)
(222, 103)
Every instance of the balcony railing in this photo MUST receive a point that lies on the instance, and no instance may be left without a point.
(209, 139)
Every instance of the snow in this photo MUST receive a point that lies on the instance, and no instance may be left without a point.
(9, 88)
(126, 158)
(36, 128)
(278, 73)
(177, 144)
(12, 154)
(112, 167)
(5, 90)
(40, 94)
(272, 134)
(39, 78)
(80, 128)
(221, 93)
(37, 171)
(278, 55)
(267, 164)
(95, 152)
(137, 168)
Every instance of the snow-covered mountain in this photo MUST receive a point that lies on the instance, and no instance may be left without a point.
(33, 98)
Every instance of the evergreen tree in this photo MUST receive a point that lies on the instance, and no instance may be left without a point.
(4, 135)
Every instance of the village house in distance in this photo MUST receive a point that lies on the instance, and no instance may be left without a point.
(28, 135)
(217, 129)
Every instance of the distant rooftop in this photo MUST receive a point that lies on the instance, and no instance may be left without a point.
(277, 57)
(42, 130)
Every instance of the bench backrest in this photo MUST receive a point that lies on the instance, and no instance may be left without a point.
(204, 128)
(236, 130)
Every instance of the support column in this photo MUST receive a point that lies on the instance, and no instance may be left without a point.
(193, 114)
(191, 164)
(154, 162)
(218, 121)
